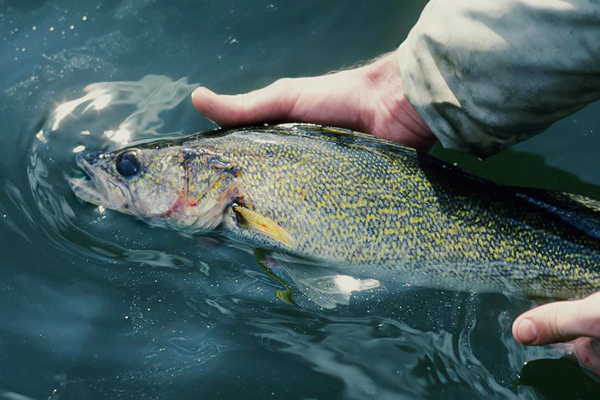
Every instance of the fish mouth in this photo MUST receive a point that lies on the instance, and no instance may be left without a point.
(98, 187)
(86, 191)
(85, 188)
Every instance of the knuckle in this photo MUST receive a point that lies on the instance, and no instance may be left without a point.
(282, 82)
(555, 326)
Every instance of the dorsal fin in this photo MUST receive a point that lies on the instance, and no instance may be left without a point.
(579, 211)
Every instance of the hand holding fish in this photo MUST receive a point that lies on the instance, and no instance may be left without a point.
(577, 322)
(371, 99)
(368, 99)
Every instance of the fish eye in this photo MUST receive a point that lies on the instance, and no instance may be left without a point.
(128, 164)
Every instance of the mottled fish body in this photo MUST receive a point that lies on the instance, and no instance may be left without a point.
(354, 201)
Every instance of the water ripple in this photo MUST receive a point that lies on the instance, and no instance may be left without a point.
(182, 306)
(410, 363)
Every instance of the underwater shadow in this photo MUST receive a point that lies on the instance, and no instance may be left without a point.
(559, 379)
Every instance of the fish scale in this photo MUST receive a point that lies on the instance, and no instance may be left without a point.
(355, 201)
(371, 205)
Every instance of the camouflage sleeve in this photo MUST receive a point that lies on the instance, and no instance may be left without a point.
(485, 75)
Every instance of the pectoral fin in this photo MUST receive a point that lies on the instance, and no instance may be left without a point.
(323, 286)
(256, 222)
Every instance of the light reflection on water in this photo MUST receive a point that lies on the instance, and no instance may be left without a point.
(150, 96)
(98, 305)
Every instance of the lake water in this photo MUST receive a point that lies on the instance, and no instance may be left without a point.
(95, 305)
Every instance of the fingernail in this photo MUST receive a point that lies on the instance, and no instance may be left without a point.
(200, 91)
(526, 331)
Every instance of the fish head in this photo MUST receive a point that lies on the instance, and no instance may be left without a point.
(165, 185)
(145, 182)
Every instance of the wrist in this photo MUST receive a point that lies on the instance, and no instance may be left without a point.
(386, 92)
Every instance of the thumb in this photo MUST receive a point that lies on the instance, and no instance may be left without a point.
(270, 104)
(559, 322)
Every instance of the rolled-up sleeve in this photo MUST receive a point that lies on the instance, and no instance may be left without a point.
(485, 75)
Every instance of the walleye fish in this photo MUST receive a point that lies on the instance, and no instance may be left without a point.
(315, 196)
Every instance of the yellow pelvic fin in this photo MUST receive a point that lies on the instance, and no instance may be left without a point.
(261, 224)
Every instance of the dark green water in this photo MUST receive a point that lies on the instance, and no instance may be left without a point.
(97, 305)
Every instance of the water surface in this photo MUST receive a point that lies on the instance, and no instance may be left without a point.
(97, 305)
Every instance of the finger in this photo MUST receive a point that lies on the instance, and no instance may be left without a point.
(588, 353)
(270, 104)
(559, 322)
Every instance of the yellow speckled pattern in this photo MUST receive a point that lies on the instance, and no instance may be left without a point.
(351, 199)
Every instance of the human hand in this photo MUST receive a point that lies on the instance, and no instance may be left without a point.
(368, 99)
(576, 321)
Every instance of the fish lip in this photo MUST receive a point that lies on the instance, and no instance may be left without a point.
(86, 191)
(93, 189)
(85, 165)
(86, 188)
